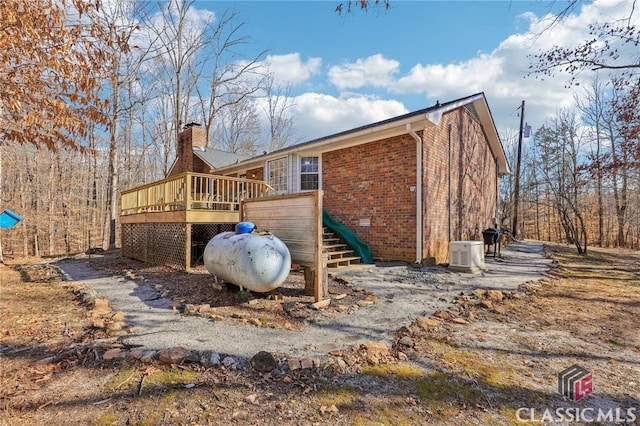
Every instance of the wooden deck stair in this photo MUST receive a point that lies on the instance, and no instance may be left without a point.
(340, 255)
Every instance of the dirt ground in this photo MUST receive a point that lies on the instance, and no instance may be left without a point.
(192, 291)
(498, 366)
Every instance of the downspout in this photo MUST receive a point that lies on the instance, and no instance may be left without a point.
(418, 140)
(498, 218)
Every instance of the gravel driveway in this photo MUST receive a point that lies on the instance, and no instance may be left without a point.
(403, 292)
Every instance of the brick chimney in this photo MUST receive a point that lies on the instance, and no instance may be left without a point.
(192, 135)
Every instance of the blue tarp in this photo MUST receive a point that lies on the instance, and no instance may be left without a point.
(9, 219)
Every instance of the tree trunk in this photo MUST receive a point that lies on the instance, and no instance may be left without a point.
(1, 194)
(112, 175)
(52, 208)
(599, 191)
(112, 192)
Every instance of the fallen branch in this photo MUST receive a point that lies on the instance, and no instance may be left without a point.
(44, 405)
(26, 349)
(125, 380)
(141, 384)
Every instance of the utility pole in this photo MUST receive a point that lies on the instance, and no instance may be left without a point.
(516, 193)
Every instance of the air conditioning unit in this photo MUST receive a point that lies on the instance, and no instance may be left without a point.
(466, 256)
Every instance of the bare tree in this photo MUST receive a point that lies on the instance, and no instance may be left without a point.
(507, 184)
(181, 34)
(238, 128)
(603, 50)
(559, 144)
(229, 77)
(52, 192)
(122, 64)
(2, 200)
(278, 104)
(161, 113)
(350, 6)
(592, 106)
(611, 46)
(84, 44)
(622, 160)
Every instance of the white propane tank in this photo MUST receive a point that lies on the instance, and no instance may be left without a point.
(258, 262)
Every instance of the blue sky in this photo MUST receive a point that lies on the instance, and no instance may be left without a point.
(428, 31)
(353, 69)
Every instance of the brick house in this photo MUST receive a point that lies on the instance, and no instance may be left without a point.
(406, 186)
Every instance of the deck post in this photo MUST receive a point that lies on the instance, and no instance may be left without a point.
(314, 277)
(188, 199)
(165, 196)
(187, 249)
(320, 267)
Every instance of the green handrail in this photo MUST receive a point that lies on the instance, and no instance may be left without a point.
(359, 247)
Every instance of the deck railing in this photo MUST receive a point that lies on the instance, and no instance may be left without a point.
(192, 191)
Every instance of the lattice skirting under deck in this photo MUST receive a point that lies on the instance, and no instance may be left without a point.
(165, 243)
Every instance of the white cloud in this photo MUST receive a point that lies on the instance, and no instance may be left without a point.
(376, 71)
(195, 21)
(441, 80)
(322, 115)
(575, 27)
(291, 68)
(503, 74)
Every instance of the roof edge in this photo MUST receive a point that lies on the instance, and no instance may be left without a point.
(430, 116)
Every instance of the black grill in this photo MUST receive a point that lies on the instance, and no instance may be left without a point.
(491, 237)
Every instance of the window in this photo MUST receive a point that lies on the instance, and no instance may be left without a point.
(278, 174)
(308, 173)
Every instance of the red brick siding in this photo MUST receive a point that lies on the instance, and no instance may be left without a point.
(200, 166)
(473, 184)
(435, 192)
(186, 161)
(373, 181)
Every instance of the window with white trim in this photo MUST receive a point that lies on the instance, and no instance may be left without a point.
(308, 173)
(278, 172)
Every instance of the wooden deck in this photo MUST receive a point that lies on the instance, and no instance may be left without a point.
(190, 198)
